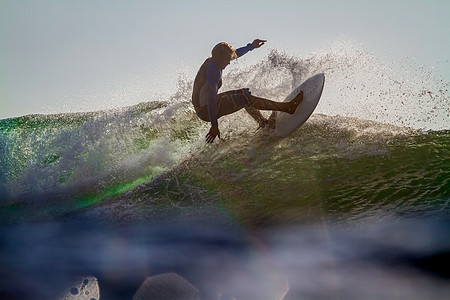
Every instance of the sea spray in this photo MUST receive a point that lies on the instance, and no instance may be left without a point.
(358, 84)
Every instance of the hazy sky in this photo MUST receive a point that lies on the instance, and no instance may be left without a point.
(59, 56)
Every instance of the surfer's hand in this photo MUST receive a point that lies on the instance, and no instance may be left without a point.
(213, 132)
(258, 43)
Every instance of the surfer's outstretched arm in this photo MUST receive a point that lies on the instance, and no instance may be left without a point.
(249, 47)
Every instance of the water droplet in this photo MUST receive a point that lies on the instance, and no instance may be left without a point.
(74, 291)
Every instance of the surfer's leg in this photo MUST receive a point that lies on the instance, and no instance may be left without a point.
(231, 101)
(256, 114)
(271, 120)
(288, 107)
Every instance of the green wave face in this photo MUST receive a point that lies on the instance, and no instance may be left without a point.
(334, 173)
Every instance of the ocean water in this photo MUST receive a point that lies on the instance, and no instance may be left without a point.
(353, 205)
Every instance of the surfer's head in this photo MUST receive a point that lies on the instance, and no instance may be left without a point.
(222, 54)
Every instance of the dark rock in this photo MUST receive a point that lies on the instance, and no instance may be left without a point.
(166, 286)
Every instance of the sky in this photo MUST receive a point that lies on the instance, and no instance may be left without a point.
(69, 56)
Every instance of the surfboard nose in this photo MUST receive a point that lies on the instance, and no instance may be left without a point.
(312, 91)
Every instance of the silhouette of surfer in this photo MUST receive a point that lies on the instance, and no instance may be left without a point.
(210, 106)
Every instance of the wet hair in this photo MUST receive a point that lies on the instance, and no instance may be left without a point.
(222, 49)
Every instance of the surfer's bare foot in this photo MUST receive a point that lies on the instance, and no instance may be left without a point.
(268, 123)
(294, 103)
(271, 120)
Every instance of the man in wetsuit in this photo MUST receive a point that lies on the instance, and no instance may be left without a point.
(210, 106)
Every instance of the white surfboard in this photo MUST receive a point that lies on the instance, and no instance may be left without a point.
(312, 89)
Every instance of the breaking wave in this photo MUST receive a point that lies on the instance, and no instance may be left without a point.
(366, 107)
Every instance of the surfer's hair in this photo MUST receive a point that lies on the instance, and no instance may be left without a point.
(222, 49)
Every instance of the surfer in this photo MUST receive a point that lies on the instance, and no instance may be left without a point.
(209, 105)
